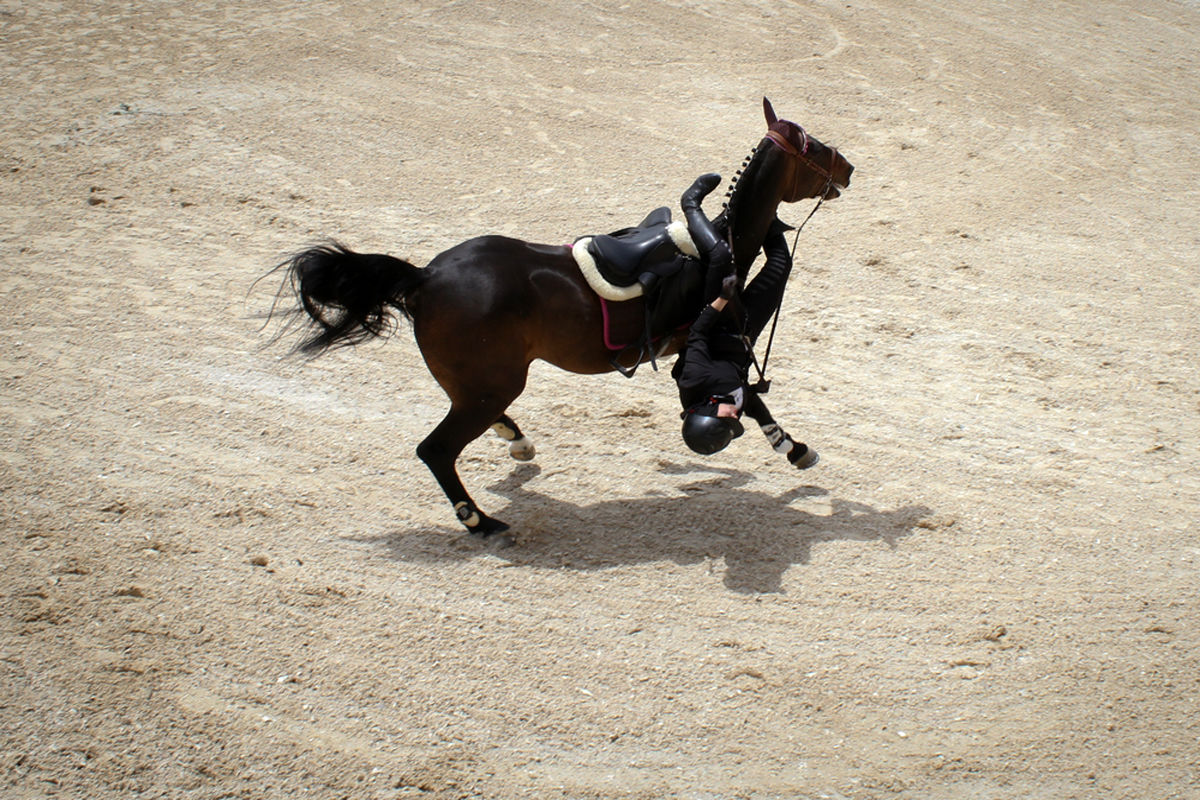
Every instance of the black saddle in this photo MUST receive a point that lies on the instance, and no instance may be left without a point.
(643, 254)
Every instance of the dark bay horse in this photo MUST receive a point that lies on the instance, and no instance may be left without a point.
(483, 310)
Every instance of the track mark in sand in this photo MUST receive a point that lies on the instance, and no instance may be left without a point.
(198, 700)
(840, 43)
(545, 139)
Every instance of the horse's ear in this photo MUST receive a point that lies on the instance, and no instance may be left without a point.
(769, 112)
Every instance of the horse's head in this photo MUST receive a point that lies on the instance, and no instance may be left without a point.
(786, 166)
(817, 169)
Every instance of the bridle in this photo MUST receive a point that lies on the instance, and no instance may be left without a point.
(801, 154)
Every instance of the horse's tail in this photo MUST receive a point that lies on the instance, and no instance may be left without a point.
(347, 297)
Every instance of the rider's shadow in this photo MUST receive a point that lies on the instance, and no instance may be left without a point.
(758, 535)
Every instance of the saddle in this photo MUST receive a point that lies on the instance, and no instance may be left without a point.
(630, 262)
(656, 260)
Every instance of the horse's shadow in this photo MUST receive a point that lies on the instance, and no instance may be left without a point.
(759, 536)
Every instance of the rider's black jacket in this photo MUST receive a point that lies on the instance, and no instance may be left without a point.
(716, 358)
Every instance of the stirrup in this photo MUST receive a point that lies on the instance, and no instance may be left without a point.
(626, 372)
(644, 346)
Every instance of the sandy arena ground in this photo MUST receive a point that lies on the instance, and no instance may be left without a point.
(226, 575)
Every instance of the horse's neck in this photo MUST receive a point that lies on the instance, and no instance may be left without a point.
(749, 235)
(757, 198)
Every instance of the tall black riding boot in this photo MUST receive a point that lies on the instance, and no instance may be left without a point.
(713, 249)
(702, 231)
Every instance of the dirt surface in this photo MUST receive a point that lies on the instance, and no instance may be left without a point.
(225, 573)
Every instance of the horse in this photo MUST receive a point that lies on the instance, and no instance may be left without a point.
(483, 310)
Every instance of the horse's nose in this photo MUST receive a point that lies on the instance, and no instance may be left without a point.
(849, 172)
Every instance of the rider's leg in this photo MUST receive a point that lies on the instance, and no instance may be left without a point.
(714, 250)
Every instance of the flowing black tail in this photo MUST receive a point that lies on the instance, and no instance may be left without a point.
(347, 297)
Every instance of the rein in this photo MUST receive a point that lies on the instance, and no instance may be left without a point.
(763, 385)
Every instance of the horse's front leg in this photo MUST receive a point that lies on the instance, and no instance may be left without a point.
(519, 446)
(798, 454)
(440, 450)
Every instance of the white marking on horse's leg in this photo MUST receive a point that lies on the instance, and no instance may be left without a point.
(800, 455)
(466, 514)
(519, 447)
(504, 432)
(780, 441)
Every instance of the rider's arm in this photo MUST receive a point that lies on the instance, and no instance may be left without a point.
(699, 332)
(708, 316)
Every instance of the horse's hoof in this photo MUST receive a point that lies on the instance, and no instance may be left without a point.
(805, 458)
(487, 526)
(522, 449)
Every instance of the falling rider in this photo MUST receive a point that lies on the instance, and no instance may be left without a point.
(712, 370)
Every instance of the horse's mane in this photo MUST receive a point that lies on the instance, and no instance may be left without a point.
(744, 176)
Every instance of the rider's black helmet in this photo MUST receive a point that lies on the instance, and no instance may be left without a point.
(706, 433)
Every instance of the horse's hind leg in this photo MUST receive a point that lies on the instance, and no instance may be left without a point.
(440, 450)
(519, 447)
